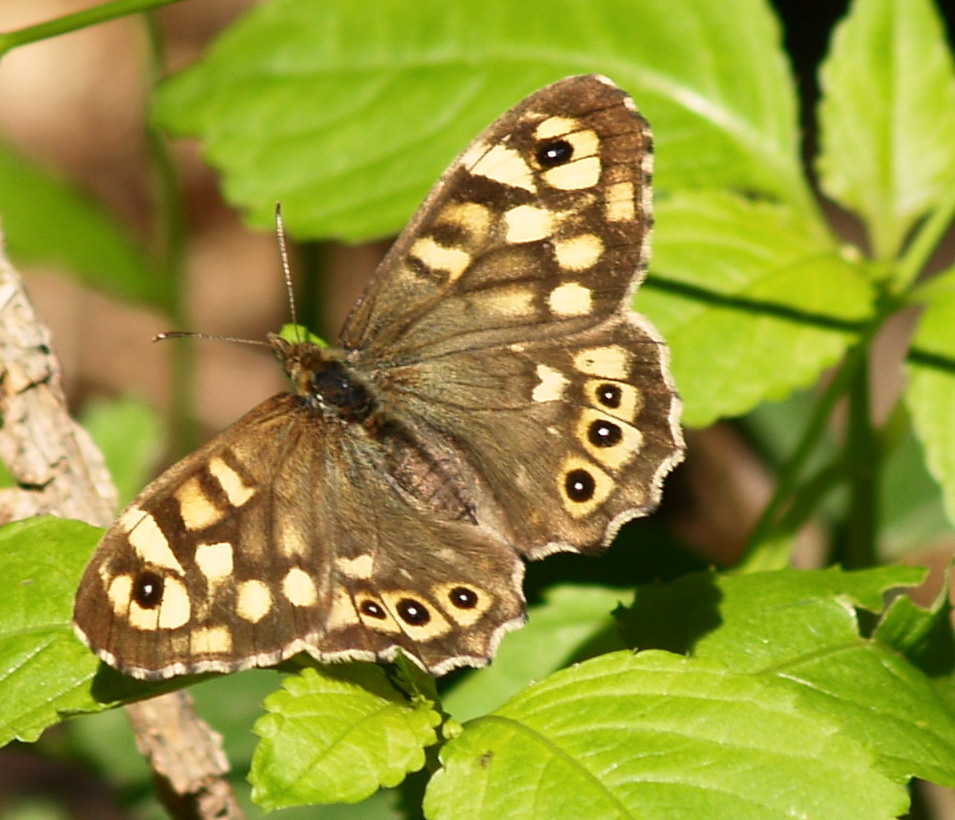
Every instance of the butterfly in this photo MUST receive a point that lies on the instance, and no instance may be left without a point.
(493, 398)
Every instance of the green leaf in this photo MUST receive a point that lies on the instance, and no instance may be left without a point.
(930, 394)
(46, 221)
(570, 617)
(657, 736)
(46, 671)
(130, 435)
(887, 116)
(336, 736)
(762, 278)
(347, 112)
(801, 628)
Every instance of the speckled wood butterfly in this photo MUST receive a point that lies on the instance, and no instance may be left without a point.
(494, 398)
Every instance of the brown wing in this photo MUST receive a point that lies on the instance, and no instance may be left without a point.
(282, 535)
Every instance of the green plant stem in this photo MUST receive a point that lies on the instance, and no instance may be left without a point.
(862, 459)
(922, 247)
(789, 474)
(71, 22)
(170, 252)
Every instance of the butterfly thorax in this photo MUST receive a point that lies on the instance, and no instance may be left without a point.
(324, 381)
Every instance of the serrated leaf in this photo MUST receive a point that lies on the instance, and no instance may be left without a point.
(930, 393)
(887, 116)
(801, 627)
(764, 279)
(349, 124)
(45, 672)
(337, 736)
(46, 221)
(657, 736)
(555, 631)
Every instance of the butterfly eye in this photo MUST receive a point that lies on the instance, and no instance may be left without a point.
(413, 612)
(609, 395)
(463, 598)
(147, 589)
(603, 433)
(579, 485)
(552, 154)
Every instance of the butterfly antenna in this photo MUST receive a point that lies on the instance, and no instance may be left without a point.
(189, 334)
(286, 268)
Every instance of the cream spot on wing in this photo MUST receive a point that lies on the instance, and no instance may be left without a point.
(292, 541)
(570, 299)
(119, 592)
(342, 612)
(299, 588)
(253, 601)
(473, 153)
(556, 127)
(147, 539)
(437, 257)
(215, 561)
(235, 489)
(576, 174)
(578, 252)
(174, 608)
(528, 223)
(210, 640)
(552, 384)
(514, 301)
(602, 486)
(358, 567)
(196, 508)
(609, 361)
(475, 219)
(613, 457)
(142, 618)
(619, 204)
(505, 165)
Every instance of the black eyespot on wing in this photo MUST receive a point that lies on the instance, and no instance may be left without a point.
(609, 395)
(579, 485)
(412, 612)
(148, 589)
(552, 154)
(603, 433)
(463, 598)
(372, 610)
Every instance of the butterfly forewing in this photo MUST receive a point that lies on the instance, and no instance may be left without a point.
(495, 398)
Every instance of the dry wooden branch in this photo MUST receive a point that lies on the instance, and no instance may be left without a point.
(60, 471)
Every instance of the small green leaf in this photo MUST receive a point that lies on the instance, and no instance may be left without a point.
(336, 736)
(887, 116)
(130, 435)
(658, 736)
(46, 221)
(766, 281)
(930, 394)
(349, 124)
(555, 631)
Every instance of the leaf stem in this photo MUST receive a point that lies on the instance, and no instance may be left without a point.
(862, 460)
(926, 240)
(789, 474)
(71, 22)
(170, 243)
